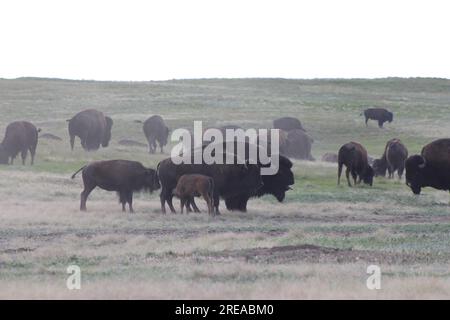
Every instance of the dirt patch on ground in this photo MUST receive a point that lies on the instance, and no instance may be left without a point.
(318, 254)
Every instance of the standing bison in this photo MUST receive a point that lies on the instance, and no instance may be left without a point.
(155, 130)
(92, 127)
(299, 145)
(379, 114)
(393, 159)
(20, 137)
(431, 168)
(354, 156)
(229, 179)
(123, 176)
(276, 185)
(287, 124)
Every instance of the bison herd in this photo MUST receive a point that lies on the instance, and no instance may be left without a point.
(235, 183)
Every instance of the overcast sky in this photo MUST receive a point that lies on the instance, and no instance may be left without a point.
(167, 39)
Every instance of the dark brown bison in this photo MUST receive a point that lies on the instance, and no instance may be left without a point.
(393, 159)
(229, 179)
(354, 156)
(123, 176)
(299, 145)
(330, 157)
(431, 168)
(92, 127)
(20, 137)
(195, 185)
(287, 124)
(155, 130)
(275, 185)
(379, 114)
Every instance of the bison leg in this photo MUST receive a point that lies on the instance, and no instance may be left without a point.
(183, 203)
(400, 172)
(23, 155)
(380, 123)
(216, 200)
(130, 201)
(194, 206)
(339, 173)
(367, 120)
(84, 195)
(208, 202)
(33, 154)
(347, 175)
(166, 196)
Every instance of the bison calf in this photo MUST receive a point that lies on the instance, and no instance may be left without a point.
(123, 176)
(195, 185)
(354, 157)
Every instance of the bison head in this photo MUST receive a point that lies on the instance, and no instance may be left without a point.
(390, 116)
(367, 175)
(279, 183)
(107, 133)
(151, 180)
(379, 167)
(415, 166)
(4, 158)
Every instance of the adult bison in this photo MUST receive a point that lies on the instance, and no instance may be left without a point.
(393, 159)
(379, 114)
(229, 179)
(354, 156)
(299, 145)
(92, 127)
(431, 168)
(275, 185)
(20, 137)
(155, 130)
(123, 176)
(287, 124)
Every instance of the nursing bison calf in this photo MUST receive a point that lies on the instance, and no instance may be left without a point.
(354, 157)
(20, 137)
(393, 159)
(379, 114)
(195, 185)
(431, 168)
(123, 176)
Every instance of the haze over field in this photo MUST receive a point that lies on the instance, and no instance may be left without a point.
(317, 244)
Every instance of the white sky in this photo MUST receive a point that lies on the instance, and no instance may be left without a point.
(167, 39)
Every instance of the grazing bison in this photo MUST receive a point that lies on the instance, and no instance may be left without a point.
(380, 114)
(92, 127)
(299, 145)
(123, 176)
(354, 157)
(431, 168)
(229, 179)
(330, 157)
(275, 185)
(393, 159)
(287, 124)
(155, 130)
(20, 137)
(195, 185)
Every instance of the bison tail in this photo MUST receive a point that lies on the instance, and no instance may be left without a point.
(75, 174)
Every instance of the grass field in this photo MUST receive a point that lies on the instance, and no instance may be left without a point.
(317, 244)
